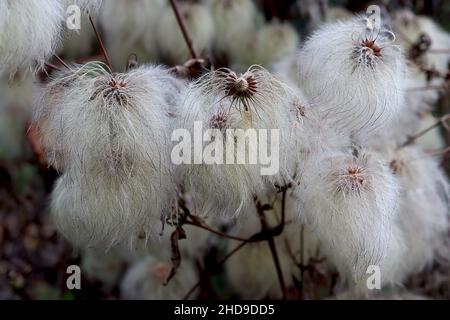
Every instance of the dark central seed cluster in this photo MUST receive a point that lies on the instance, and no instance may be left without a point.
(243, 87)
(396, 166)
(116, 88)
(370, 44)
(218, 120)
(354, 178)
(298, 108)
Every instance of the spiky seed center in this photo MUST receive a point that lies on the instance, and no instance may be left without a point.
(353, 178)
(372, 46)
(244, 86)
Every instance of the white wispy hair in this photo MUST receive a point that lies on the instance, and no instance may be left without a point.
(354, 75)
(145, 280)
(424, 215)
(170, 41)
(107, 120)
(225, 100)
(110, 133)
(351, 202)
(131, 28)
(286, 70)
(274, 41)
(417, 104)
(236, 23)
(29, 33)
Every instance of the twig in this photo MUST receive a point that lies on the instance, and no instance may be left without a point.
(302, 258)
(62, 61)
(176, 236)
(186, 35)
(439, 51)
(52, 66)
(439, 152)
(100, 42)
(426, 88)
(219, 263)
(442, 122)
(273, 248)
(217, 232)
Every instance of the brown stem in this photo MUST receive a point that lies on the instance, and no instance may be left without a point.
(62, 61)
(426, 88)
(302, 256)
(219, 263)
(439, 152)
(52, 66)
(184, 30)
(442, 121)
(100, 42)
(273, 248)
(439, 51)
(217, 232)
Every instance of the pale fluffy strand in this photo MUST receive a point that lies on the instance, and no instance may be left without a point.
(29, 33)
(351, 203)
(110, 133)
(354, 75)
(213, 101)
(424, 211)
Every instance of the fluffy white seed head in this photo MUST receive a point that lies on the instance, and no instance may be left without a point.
(354, 75)
(224, 100)
(145, 280)
(110, 133)
(424, 212)
(29, 33)
(171, 43)
(104, 120)
(351, 203)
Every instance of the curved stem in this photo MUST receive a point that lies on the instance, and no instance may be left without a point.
(184, 30)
